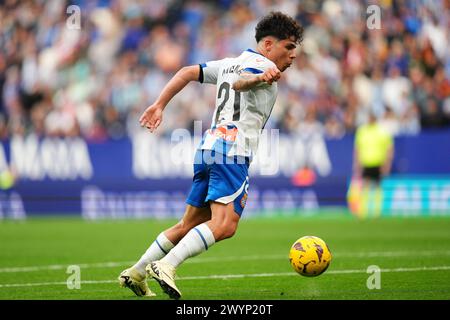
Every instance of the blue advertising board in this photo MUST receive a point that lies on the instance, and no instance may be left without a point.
(145, 176)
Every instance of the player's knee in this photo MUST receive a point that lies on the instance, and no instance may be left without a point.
(229, 233)
(228, 229)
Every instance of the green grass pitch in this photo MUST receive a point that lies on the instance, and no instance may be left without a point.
(413, 254)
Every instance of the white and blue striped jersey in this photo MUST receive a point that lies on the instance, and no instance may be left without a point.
(239, 117)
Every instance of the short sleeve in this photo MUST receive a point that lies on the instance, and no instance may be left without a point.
(257, 64)
(209, 71)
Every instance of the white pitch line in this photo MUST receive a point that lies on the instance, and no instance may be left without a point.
(64, 266)
(257, 275)
(234, 276)
(229, 258)
(391, 254)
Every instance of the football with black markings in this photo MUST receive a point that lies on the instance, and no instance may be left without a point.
(310, 256)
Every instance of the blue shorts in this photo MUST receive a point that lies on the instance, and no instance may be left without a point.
(219, 178)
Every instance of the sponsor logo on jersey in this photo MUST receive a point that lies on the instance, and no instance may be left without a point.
(224, 133)
(244, 200)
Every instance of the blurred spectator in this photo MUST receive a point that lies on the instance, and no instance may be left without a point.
(433, 116)
(96, 80)
(410, 122)
(334, 129)
(390, 123)
(396, 91)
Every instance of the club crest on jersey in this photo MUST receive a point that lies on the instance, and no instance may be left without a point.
(227, 134)
(244, 200)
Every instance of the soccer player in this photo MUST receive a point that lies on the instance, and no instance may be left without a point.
(373, 155)
(246, 93)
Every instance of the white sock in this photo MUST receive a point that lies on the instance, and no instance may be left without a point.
(196, 241)
(158, 249)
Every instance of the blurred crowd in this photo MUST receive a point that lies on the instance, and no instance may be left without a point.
(92, 74)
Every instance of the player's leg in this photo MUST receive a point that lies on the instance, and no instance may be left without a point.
(364, 209)
(223, 225)
(193, 216)
(378, 199)
(134, 277)
(367, 190)
(224, 220)
(197, 212)
(376, 193)
(227, 194)
(167, 239)
(374, 196)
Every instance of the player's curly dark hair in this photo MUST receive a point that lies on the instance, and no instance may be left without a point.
(279, 25)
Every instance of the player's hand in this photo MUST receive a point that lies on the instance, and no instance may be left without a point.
(152, 117)
(271, 75)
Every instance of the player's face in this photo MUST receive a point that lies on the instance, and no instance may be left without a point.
(283, 53)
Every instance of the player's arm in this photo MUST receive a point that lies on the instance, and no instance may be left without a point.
(152, 116)
(248, 81)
